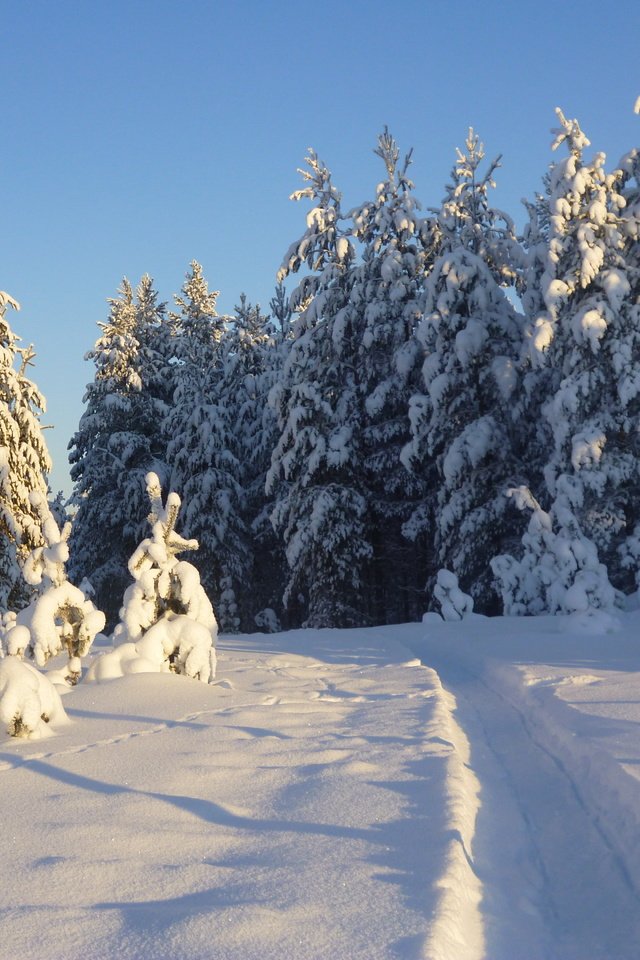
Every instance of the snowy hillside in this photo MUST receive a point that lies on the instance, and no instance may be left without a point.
(330, 796)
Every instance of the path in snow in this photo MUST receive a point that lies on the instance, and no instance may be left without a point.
(554, 885)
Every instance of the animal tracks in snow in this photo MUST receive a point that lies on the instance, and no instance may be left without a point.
(105, 742)
(302, 685)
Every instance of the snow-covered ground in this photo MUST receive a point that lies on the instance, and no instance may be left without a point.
(440, 790)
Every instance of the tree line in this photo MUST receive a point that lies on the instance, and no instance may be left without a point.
(430, 391)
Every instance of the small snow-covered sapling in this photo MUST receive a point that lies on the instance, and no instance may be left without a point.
(454, 603)
(28, 700)
(166, 620)
(61, 616)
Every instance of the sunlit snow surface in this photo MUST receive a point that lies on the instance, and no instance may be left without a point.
(439, 790)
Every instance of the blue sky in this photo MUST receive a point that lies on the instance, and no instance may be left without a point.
(140, 135)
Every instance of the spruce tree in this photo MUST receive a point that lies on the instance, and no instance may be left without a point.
(205, 470)
(119, 439)
(470, 335)
(60, 617)
(593, 349)
(558, 570)
(385, 295)
(533, 433)
(24, 461)
(320, 508)
(251, 363)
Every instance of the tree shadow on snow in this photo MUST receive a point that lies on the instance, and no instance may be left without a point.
(205, 810)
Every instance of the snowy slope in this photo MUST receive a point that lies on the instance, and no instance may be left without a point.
(332, 796)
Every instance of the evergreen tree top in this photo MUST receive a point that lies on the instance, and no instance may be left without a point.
(198, 329)
(196, 301)
(8, 339)
(391, 217)
(320, 186)
(281, 312)
(569, 132)
(465, 207)
(324, 244)
(466, 218)
(388, 151)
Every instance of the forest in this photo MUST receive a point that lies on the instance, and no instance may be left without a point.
(435, 412)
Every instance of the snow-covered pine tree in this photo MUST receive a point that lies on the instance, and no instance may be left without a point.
(252, 359)
(205, 470)
(270, 559)
(281, 316)
(24, 461)
(320, 510)
(533, 434)
(590, 334)
(470, 334)
(119, 439)
(28, 700)
(198, 328)
(385, 294)
(167, 621)
(629, 549)
(60, 616)
(559, 571)
(454, 604)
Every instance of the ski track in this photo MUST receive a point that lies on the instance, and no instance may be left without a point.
(555, 886)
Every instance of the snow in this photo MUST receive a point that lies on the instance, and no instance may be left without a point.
(175, 642)
(589, 325)
(586, 448)
(29, 700)
(441, 790)
(616, 287)
(454, 604)
(470, 341)
(343, 248)
(469, 447)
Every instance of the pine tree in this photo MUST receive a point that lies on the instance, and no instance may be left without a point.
(119, 439)
(593, 349)
(629, 549)
(533, 437)
(24, 461)
(167, 621)
(270, 563)
(558, 571)
(385, 294)
(28, 700)
(471, 338)
(205, 470)
(198, 329)
(320, 509)
(60, 617)
(251, 363)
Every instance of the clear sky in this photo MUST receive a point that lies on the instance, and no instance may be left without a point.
(141, 134)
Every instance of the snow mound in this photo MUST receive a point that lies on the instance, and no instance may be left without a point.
(28, 700)
(176, 644)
